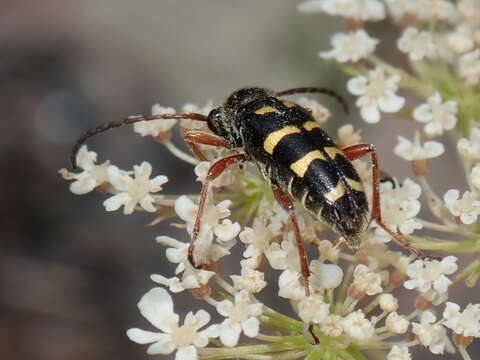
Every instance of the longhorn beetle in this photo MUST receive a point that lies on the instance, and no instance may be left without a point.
(293, 153)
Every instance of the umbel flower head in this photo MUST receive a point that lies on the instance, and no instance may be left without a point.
(247, 246)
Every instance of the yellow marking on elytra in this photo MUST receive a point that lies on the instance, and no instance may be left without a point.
(335, 193)
(265, 110)
(333, 151)
(276, 136)
(355, 185)
(288, 104)
(310, 125)
(300, 166)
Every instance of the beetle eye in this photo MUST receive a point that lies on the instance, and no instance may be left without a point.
(215, 122)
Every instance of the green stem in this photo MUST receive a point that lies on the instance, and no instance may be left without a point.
(287, 343)
(280, 323)
(470, 273)
(458, 247)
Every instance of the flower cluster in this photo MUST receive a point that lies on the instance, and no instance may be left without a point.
(353, 302)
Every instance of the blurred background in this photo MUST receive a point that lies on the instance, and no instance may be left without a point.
(70, 273)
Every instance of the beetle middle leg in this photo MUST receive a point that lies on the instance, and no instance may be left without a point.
(356, 151)
(216, 169)
(286, 203)
(195, 137)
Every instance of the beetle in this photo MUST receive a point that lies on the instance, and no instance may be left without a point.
(296, 156)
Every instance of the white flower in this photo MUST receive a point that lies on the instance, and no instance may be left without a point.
(466, 323)
(377, 93)
(438, 9)
(225, 231)
(285, 255)
(155, 127)
(417, 44)
(375, 253)
(366, 280)
(388, 302)
(328, 251)
(157, 307)
(249, 279)
(461, 39)
(350, 47)
(431, 334)
(357, 326)
(469, 11)
(331, 326)
(399, 206)
(438, 116)
(313, 309)
(319, 112)
(430, 10)
(258, 240)
(469, 67)
(467, 208)
(325, 276)
(133, 191)
(91, 176)
(430, 274)
(289, 285)
(396, 324)
(410, 151)
(192, 278)
(364, 10)
(241, 316)
(470, 148)
(399, 352)
(347, 136)
(475, 175)
(400, 8)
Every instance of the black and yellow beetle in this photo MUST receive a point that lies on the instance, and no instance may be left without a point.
(293, 153)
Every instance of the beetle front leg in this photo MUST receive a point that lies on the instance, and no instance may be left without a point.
(356, 151)
(286, 203)
(216, 169)
(195, 137)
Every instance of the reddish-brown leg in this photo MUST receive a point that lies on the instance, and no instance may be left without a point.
(195, 137)
(286, 202)
(215, 171)
(354, 152)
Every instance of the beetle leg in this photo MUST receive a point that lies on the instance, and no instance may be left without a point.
(286, 203)
(216, 169)
(195, 137)
(356, 151)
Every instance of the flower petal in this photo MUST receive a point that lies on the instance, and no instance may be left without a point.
(157, 307)
(187, 353)
(230, 332)
(143, 336)
(251, 327)
(116, 201)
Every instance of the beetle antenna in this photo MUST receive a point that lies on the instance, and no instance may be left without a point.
(318, 90)
(128, 121)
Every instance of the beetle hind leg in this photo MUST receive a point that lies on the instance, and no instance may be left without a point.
(286, 203)
(356, 151)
